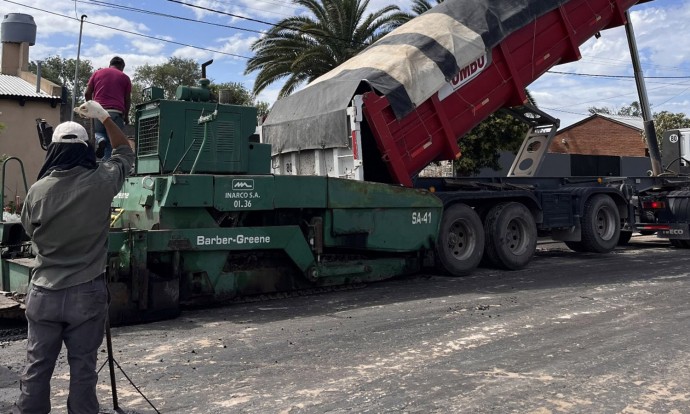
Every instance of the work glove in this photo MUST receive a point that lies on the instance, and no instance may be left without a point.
(92, 109)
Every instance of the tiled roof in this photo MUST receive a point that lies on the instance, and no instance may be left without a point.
(15, 86)
(631, 121)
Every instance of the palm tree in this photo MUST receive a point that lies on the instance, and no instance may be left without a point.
(302, 48)
(418, 7)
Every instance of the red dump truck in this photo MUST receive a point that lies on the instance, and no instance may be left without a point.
(405, 101)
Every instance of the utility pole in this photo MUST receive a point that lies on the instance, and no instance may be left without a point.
(75, 91)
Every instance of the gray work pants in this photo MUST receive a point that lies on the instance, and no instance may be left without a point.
(75, 315)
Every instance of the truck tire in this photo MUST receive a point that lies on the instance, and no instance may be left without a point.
(460, 243)
(511, 236)
(600, 224)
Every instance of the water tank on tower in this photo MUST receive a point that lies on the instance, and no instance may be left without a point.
(18, 28)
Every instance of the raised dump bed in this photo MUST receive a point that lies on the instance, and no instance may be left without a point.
(402, 103)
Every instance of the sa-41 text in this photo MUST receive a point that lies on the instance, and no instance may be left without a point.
(421, 217)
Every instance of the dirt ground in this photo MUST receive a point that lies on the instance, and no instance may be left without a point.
(572, 333)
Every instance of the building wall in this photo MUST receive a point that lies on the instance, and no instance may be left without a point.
(599, 136)
(19, 138)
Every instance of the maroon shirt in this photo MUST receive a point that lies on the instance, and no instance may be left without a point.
(110, 87)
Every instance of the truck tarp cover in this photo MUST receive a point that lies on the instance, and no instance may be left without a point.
(408, 66)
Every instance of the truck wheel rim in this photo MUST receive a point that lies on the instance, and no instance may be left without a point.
(460, 240)
(515, 238)
(605, 223)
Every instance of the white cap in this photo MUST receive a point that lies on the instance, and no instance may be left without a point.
(71, 133)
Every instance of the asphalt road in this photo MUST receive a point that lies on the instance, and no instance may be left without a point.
(572, 333)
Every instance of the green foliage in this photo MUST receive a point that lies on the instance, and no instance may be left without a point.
(169, 75)
(418, 7)
(186, 72)
(633, 109)
(239, 95)
(601, 110)
(236, 93)
(262, 108)
(481, 146)
(61, 71)
(302, 48)
(663, 121)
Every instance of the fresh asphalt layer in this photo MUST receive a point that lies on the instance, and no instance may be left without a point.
(572, 333)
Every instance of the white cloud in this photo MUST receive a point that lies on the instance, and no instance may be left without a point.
(207, 8)
(269, 95)
(663, 52)
(192, 53)
(237, 44)
(147, 46)
(659, 28)
(268, 9)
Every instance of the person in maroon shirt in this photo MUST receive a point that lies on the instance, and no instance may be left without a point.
(111, 88)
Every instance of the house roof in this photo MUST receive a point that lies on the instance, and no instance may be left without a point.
(13, 86)
(634, 122)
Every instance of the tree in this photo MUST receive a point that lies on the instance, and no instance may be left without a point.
(302, 48)
(234, 93)
(663, 121)
(169, 75)
(262, 108)
(633, 109)
(61, 71)
(481, 146)
(185, 72)
(418, 7)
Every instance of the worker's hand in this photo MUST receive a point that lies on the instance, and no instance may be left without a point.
(92, 109)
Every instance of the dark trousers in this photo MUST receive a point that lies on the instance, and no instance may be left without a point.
(75, 315)
(101, 134)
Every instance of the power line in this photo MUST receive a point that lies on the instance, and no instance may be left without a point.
(127, 8)
(144, 11)
(615, 76)
(285, 3)
(600, 60)
(223, 12)
(262, 10)
(132, 33)
(564, 111)
(321, 35)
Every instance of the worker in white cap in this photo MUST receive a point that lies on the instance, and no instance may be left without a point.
(66, 213)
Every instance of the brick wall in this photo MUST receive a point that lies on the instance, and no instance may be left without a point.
(599, 136)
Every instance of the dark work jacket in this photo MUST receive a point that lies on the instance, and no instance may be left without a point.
(67, 216)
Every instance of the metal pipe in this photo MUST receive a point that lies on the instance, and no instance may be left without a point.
(648, 121)
(38, 77)
(76, 70)
(111, 362)
(203, 120)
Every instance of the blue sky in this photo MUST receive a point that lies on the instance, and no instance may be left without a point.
(213, 30)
